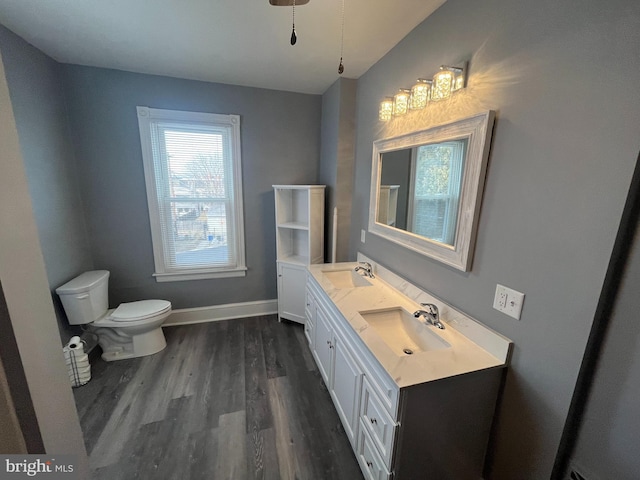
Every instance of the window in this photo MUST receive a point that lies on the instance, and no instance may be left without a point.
(433, 207)
(194, 189)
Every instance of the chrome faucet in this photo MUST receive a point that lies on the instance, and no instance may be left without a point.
(366, 268)
(431, 315)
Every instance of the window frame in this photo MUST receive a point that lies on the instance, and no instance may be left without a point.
(163, 271)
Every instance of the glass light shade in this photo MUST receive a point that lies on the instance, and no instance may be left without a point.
(458, 81)
(420, 94)
(443, 82)
(401, 101)
(386, 109)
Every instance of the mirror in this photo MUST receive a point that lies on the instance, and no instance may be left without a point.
(426, 188)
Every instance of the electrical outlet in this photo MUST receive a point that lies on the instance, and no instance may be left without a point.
(508, 301)
(362, 235)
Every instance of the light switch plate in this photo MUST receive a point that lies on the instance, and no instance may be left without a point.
(362, 235)
(508, 301)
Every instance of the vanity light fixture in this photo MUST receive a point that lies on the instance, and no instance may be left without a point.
(386, 109)
(401, 101)
(420, 94)
(445, 82)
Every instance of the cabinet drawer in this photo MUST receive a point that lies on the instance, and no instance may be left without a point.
(371, 464)
(387, 391)
(379, 424)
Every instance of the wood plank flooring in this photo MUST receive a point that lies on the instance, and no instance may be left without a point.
(237, 399)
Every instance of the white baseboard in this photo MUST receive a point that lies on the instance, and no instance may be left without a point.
(186, 316)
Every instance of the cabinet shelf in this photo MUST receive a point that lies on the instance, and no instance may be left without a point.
(294, 225)
(295, 259)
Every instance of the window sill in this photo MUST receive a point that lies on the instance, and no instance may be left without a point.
(182, 276)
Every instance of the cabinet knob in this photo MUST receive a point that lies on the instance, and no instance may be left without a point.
(373, 421)
(369, 464)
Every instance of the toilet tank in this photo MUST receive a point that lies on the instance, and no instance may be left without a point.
(86, 297)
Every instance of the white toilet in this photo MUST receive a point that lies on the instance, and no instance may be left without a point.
(131, 330)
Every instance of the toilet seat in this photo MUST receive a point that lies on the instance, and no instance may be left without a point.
(133, 313)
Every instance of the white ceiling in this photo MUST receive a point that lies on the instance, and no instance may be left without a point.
(241, 42)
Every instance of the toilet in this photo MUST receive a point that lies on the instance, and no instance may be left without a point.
(131, 330)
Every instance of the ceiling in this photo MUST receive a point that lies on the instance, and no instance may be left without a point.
(241, 42)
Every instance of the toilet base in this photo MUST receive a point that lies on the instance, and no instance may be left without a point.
(120, 346)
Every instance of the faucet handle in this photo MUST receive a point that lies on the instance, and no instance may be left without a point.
(366, 266)
(433, 309)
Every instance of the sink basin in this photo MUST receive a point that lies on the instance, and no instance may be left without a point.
(345, 279)
(402, 332)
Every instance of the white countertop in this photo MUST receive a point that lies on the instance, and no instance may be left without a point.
(463, 356)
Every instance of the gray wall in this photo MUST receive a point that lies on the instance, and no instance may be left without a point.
(337, 160)
(562, 77)
(37, 95)
(608, 442)
(280, 144)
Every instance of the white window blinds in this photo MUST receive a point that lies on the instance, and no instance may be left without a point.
(192, 169)
(436, 190)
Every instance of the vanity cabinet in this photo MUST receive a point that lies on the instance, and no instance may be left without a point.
(339, 370)
(432, 430)
(299, 215)
(349, 379)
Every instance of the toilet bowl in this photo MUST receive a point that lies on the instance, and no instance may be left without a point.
(131, 330)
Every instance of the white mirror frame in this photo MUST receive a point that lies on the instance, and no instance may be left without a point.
(478, 130)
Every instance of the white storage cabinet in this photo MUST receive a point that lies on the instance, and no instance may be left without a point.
(299, 242)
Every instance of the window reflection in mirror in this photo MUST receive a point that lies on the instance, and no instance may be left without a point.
(420, 189)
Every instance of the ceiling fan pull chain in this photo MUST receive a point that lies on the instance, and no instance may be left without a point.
(341, 66)
(294, 38)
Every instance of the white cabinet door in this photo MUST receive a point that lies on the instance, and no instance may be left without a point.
(291, 291)
(310, 322)
(323, 347)
(345, 388)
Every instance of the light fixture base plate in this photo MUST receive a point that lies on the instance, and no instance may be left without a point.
(287, 3)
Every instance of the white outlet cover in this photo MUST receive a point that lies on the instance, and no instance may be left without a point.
(508, 301)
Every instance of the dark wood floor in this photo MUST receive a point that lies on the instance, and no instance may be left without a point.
(236, 399)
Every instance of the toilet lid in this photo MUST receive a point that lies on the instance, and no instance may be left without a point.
(127, 312)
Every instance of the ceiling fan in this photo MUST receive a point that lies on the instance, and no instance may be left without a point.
(294, 37)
